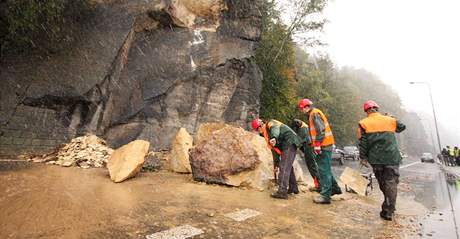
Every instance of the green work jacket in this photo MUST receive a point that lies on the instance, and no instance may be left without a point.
(377, 140)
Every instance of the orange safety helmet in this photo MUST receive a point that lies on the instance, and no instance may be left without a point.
(304, 103)
(370, 104)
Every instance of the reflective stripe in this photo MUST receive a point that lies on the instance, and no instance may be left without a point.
(326, 134)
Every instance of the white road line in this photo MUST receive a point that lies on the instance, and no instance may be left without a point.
(181, 232)
(408, 165)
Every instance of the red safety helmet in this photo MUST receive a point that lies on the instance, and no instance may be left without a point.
(370, 104)
(256, 123)
(304, 103)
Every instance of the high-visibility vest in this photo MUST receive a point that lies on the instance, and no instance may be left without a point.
(451, 152)
(267, 138)
(328, 137)
(376, 123)
(456, 152)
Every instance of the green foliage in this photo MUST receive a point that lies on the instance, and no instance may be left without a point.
(277, 95)
(276, 56)
(26, 24)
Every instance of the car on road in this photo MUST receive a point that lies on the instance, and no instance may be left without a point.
(351, 152)
(427, 157)
(339, 155)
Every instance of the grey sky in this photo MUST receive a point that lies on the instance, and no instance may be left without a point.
(402, 41)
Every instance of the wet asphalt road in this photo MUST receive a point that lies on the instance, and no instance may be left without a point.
(427, 184)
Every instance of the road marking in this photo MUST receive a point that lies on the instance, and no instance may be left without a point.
(181, 232)
(243, 215)
(408, 165)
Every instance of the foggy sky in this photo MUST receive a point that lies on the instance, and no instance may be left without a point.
(402, 41)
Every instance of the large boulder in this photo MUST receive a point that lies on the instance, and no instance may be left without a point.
(179, 161)
(233, 156)
(127, 161)
(298, 171)
(205, 130)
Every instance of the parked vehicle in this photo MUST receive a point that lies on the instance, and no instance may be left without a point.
(427, 157)
(339, 155)
(351, 152)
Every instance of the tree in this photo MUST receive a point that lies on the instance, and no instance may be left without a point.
(276, 55)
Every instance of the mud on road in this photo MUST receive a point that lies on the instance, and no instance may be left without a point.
(41, 201)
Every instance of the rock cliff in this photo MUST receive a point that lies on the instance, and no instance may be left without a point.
(135, 69)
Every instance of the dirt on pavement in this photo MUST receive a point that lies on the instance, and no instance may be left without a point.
(42, 201)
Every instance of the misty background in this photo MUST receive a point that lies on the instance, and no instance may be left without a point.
(399, 42)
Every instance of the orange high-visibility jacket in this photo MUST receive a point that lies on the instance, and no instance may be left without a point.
(328, 137)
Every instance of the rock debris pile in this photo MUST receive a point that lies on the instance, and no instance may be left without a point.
(87, 151)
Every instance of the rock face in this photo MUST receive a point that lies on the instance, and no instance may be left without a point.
(127, 161)
(234, 157)
(133, 69)
(179, 159)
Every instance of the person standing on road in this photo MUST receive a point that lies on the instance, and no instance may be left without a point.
(445, 156)
(303, 131)
(457, 156)
(283, 142)
(379, 148)
(322, 142)
(451, 156)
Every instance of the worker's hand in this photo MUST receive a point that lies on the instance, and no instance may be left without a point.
(364, 163)
(273, 142)
(317, 148)
(276, 169)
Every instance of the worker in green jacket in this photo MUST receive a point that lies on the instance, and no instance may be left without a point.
(303, 131)
(378, 147)
(283, 141)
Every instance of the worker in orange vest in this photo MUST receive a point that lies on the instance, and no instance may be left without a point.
(322, 142)
(379, 148)
(283, 142)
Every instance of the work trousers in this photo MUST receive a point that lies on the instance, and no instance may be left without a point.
(328, 183)
(451, 160)
(309, 157)
(388, 179)
(286, 177)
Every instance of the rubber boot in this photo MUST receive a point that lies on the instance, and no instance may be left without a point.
(279, 195)
(321, 200)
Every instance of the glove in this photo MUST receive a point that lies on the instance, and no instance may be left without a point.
(317, 147)
(273, 142)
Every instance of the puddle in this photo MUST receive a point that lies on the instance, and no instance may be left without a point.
(443, 197)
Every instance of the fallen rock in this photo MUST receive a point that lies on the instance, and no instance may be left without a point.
(152, 162)
(205, 130)
(354, 180)
(127, 160)
(234, 157)
(179, 159)
(84, 152)
(298, 171)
